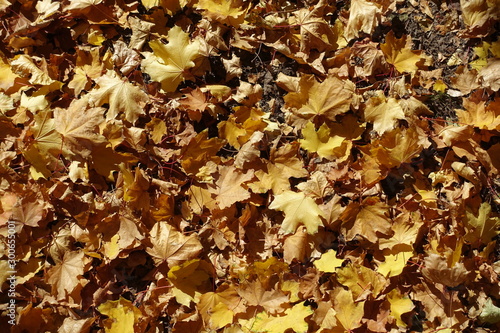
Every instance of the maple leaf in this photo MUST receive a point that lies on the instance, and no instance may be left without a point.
(399, 146)
(230, 12)
(199, 151)
(400, 304)
(394, 262)
(228, 187)
(282, 165)
(25, 66)
(82, 4)
(368, 219)
(66, 276)
(328, 262)
(398, 52)
(218, 308)
(77, 125)
(294, 319)
(479, 115)
(437, 270)
(348, 312)
(315, 32)
(328, 98)
(255, 294)
(121, 95)
(298, 209)
(46, 146)
(321, 142)
(8, 76)
(364, 16)
(481, 227)
(190, 280)
(168, 63)
(171, 246)
(123, 316)
(383, 112)
(361, 280)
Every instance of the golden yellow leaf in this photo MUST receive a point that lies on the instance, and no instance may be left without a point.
(168, 63)
(361, 280)
(122, 96)
(230, 12)
(364, 16)
(171, 246)
(370, 219)
(298, 209)
(348, 312)
(398, 52)
(190, 280)
(328, 262)
(383, 112)
(67, 275)
(400, 304)
(294, 319)
(123, 316)
(394, 262)
(326, 99)
(322, 142)
(482, 226)
(283, 164)
(228, 187)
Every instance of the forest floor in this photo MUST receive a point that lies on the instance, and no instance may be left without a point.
(249, 166)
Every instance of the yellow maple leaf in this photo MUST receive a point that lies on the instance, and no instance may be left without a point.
(168, 63)
(326, 99)
(230, 12)
(361, 280)
(399, 146)
(383, 112)
(218, 308)
(171, 246)
(8, 76)
(294, 319)
(481, 226)
(398, 53)
(123, 316)
(68, 274)
(364, 16)
(394, 262)
(26, 67)
(400, 304)
(298, 209)
(191, 279)
(328, 262)
(199, 151)
(368, 219)
(348, 312)
(78, 125)
(282, 165)
(321, 142)
(480, 115)
(44, 150)
(228, 188)
(121, 95)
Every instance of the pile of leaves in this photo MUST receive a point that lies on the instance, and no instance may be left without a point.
(251, 166)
